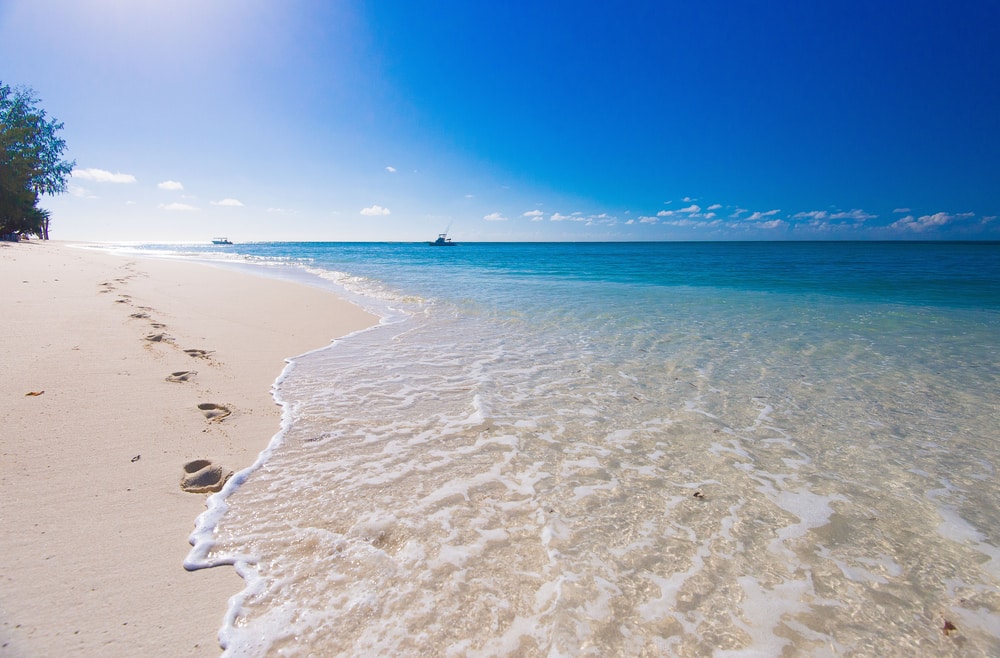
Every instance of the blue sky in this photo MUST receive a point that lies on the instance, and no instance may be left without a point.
(323, 120)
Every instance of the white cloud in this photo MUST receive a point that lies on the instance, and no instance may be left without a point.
(535, 215)
(925, 222)
(176, 206)
(665, 213)
(858, 214)
(774, 223)
(648, 220)
(495, 217)
(102, 176)
(693, 223)
(559, 217)
(375, 211)
(81, 192)
(170, 185)
(688, 199)
(391, 169)
(630, 222)
(820, 215)
(715, 206)
(692, 208)
(234, 203)
(905, 223)
(901, 210)
(470, 196)
(910, 223)
(757, 216)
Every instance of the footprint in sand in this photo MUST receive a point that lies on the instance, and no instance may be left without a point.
(214, 412)
(203, 476)
(181, 376)
(198, 354)
(157, 325)
(140, 316)
(158, 338)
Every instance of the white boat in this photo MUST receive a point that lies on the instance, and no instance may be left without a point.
(221, 241)
(442, 241)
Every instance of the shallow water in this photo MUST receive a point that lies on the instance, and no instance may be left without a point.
(630, 450)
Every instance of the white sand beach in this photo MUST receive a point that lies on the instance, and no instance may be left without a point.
(94, 437)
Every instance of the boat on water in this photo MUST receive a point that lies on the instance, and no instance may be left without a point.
(442, 241)
(221, 241)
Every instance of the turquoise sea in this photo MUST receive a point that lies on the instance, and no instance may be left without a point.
(627, 449)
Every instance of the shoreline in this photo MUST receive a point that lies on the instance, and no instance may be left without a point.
(90, 490)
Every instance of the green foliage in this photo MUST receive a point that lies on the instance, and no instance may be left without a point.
(31, 162)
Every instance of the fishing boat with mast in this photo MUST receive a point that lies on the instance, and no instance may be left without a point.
(442, 241)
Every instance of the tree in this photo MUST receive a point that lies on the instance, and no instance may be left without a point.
(31, 162)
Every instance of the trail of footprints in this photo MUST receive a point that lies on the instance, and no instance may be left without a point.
(199, 475)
